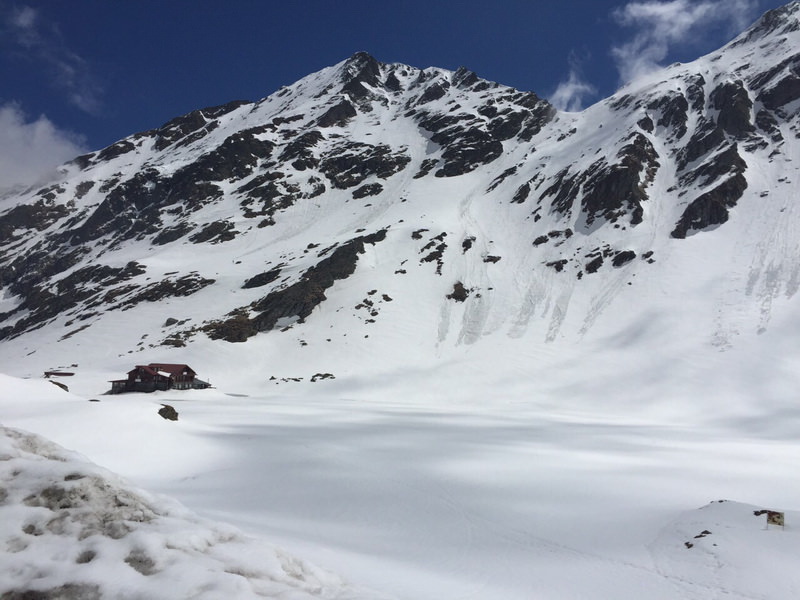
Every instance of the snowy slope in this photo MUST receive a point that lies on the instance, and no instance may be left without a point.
(72, 530)
(549, 334)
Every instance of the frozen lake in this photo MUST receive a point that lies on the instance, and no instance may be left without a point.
(440, 502)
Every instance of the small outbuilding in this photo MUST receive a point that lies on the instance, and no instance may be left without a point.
(159, 376)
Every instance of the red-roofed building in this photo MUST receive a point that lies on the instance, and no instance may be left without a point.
(158, 376)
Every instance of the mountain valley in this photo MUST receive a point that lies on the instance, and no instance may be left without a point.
(461, 343)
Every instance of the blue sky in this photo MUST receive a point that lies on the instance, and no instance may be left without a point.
(82, 74)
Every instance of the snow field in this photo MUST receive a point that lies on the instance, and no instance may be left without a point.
(451, 500)
(71, 530)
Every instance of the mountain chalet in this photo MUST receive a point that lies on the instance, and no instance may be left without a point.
(159, 376)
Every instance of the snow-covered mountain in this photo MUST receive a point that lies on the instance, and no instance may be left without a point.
(451, 206)
(463, 344)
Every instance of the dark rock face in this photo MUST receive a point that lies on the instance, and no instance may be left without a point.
(726, 162)
(767, 123)
(433, 92)
(370, 189)
(361, 68)
(300, 299)
(43, 301)
(507, 124)
(467, 141)
(608, 191)
(38, 216)
(321, 377)
(712, 160)
(646, 124)
(337, 115)
(785, 91)
(63, 386)
(619, 190)
(266, 194)
(115, 150)
(234, 159)
(169, 288)
(170, 234)
(564, 190)
(674, 113)
(193, 126)
(133, 208)
(522, 193)
(466, 151)
(734, 106)
(262, 279)
(780, 85)
(218, 231)
(695, 92)
(83, 188)
(351, 165)
(710, 208)
(130, 209)
(706, 138)
(181, 128)
(295, 302)
(463, 78)
(299, 150)
(426, 167)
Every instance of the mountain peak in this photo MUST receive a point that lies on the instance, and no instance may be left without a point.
(463, 78)
(778, 21)
(361, 67)
(361, 58)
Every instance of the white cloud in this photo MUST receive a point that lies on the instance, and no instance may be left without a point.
(662, 25)
(33, 37)
(24, 17)
(571, 95)
(32, 149)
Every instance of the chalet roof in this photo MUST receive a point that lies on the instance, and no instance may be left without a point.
(171, 369)
(148, 369)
